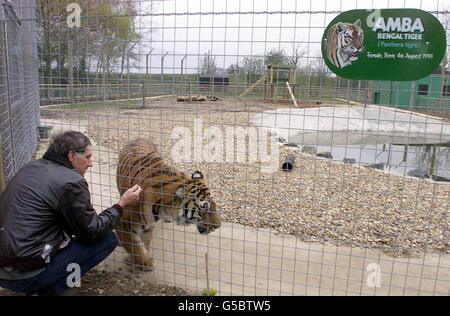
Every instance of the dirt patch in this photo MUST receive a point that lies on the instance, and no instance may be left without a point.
(99, 282)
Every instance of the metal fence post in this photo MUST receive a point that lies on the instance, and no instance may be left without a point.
(2, 174)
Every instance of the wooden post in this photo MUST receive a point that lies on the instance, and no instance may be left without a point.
(2, 174)
(275, 88)
(433, 160)
(292, 95)
(143, 93)
(207, 275)
(348, 91)
(144, 84)
(128, 75)
(308, 84)
(372, 87)
(49, 90)
(162, 71)
(103, 73)
(389, 156)
(411, 95)
(405, 153)
(339, 87)
(252, 86)
(389, 93)
(359, 91)
(212, 77)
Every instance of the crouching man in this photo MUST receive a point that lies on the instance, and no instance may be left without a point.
(47, 221)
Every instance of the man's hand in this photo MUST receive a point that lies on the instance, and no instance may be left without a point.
(130, 196)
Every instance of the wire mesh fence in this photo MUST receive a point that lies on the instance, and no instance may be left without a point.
(19, 103)
(237, 90)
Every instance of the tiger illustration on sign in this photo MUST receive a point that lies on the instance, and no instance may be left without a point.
(166, 193)
(344, 42)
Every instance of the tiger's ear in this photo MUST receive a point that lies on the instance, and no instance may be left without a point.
(340, 27)
(197, 175)
(358, 23)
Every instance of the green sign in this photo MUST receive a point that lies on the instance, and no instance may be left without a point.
(384, 44)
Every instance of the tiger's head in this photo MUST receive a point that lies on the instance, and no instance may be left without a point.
(197, 205)
(344, 43)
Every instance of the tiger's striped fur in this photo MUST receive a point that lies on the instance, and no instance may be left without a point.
(166, 192)
(344, 42)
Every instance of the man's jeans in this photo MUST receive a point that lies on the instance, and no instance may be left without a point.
(54, 277)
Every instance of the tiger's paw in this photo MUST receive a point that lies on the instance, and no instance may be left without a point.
(144, 265)
(148, 265)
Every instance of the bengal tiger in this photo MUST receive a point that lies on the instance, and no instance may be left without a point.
(166, 193)
(344, 42)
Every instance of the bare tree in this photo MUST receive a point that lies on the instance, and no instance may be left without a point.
(207, 64)
(253, 68)
(298, 52)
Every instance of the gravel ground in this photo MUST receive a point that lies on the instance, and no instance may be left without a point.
(321, 200)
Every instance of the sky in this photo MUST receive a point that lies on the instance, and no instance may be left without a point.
(194, 27)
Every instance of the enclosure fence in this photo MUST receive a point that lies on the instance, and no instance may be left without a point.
(324, 185)
(19, 100)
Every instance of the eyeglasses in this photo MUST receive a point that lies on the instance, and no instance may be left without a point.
(82, 150)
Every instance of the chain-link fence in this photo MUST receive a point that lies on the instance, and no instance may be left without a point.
(19, 99)
(324, 185)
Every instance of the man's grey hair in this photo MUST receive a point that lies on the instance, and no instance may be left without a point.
(69, 141)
